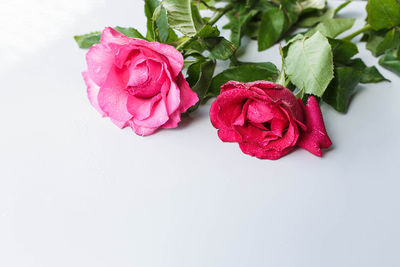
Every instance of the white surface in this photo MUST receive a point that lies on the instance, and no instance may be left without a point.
(77, 191)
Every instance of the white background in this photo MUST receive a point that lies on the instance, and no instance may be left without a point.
(77, 191)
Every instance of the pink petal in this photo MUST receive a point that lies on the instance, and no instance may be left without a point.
(188, 98)
(171, 94)
(109, 35)
(261, 153)
(229, 136)
(157, 118)
(241, 119)
(120, 124)
(93, 91)
(140, 107)
(173, 121)
(113, 96)
(99, 60)
(232, 85)
(140, 130)
(138, 74)
(289, 138)
(170, 53)
(260, 112)
(315, 137)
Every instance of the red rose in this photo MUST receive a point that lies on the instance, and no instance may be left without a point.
(267, 120)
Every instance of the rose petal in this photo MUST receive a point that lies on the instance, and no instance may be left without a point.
(93, 91)
(288, 139)
(171, 94)
(260, 112)
(158, 116)
(188, 98)
(229, 136)
(140, 108)
(315, 137)
(261, 153)
(170, 53)
(99, 60)
(173, 121)
(140, 130)
(113, 96)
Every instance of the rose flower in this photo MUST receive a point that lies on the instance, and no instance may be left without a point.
(137, 83)
(267, 120)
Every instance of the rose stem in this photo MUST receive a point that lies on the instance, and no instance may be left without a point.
(354, 34)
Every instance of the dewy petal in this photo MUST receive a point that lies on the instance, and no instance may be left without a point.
(170, 53)
(232, 85)
(260, 111)
(120, 124)
(93, 91)
(138, 74)
(113, 97)
(173, 121)
(229, 135)
(188, 98)
(171, 94)
(241, 119)
(315, 137)
(289, 138)
(261, 153)
(99, 60)
(251, 134)
(140, 130)
(140, 107)
(109, 35)
(158, 117)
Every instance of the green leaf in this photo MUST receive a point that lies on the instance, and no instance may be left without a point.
(313, 4)
(162, 29)
(238, 20)
(87, 40)
(391, 62)
(293, 10)
(271, 28)
(309, 64)
(342, 87)
(149, 8)
(200, 75)
(342, 50)
(332, 27)
(383, 14)
(219, 47)
(316, 17)
(183, 16)
(372, 75)
(368, 74)
(130, 32)
(243, 73)
(379, 42)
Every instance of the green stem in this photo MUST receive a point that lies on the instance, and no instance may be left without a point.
(217, 16)
(354, 34)
(211, 22)
(342, 6)
(282, 75)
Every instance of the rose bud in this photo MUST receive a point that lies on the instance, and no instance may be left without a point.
(137, 83)
(267, 120)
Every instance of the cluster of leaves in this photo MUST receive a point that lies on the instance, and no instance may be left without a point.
(382, 32)
(314, 62)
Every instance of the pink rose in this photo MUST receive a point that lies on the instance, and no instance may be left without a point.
(137, 83)
(267, 120)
